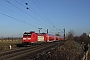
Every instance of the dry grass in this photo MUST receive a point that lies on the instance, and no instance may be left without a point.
(4, 44)
(88, 57)
(69, 51)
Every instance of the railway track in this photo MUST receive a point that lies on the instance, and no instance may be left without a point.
(24, 52)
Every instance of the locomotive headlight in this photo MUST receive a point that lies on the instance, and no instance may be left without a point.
(29, 38)
(24, 38)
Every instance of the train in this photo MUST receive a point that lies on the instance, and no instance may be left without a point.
(33, 37)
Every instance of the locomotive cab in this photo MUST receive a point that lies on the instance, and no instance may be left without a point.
(27, 37)
(32, 37)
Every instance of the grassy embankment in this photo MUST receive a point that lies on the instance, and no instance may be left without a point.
(71, 50)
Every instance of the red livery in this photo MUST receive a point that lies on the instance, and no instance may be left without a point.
(32, 37)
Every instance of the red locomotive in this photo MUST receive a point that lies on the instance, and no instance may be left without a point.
(32, 37)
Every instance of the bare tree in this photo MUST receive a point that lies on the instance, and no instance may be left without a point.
(70, 35)
(84, 36)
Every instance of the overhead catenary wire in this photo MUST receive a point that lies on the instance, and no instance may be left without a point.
(38, 6)
(48, 18)
(45, 14)
(18, 20)
(28, 13)
(25, 12)
(42, 12)
(29, 9)
(32, 11)
(25, 6)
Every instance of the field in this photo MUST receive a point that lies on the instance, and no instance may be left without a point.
(4, 44)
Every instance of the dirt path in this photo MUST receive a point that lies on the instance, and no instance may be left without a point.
(85, 56)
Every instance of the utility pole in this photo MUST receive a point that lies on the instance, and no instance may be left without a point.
(47, 31)
(39, 29)
(64, 33)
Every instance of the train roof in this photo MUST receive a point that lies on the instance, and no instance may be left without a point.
(39, 33)
(29, 32)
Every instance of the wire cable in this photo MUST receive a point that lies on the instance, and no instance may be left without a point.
(42, 10)
(30, 10)
(17, 19)
(25, 12)
(36, 13)
(45, 13)
(12, 11)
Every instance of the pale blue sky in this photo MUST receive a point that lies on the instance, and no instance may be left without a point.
(15, 19)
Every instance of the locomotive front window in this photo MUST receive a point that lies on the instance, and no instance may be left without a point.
(29, 34)
(26, 34)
